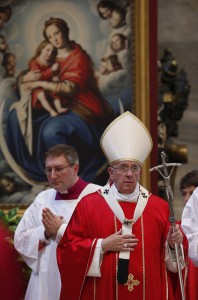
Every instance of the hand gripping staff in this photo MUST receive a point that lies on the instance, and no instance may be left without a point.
(166, 176)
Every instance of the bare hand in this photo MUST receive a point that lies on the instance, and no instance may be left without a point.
(174, 236)
(119, 242)
(32, 75)
(51, 222)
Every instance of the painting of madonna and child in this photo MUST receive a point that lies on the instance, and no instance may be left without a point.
(65, 74)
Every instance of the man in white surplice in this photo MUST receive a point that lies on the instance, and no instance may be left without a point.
(45, 221)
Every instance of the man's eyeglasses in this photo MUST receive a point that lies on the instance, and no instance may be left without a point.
(57, 170)
(125, 169)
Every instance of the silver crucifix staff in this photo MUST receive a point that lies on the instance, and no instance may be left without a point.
(163, 170)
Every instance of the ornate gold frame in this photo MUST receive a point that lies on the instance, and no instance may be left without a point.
(141, 65)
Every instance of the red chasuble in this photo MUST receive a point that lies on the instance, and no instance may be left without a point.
(93, 219)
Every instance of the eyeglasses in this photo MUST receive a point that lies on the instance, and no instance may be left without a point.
(57, 170)
(125, 169)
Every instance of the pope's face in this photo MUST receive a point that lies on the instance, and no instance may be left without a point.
(55, 36)
(125, 182)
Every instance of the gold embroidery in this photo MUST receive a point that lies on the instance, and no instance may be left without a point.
(131, 282)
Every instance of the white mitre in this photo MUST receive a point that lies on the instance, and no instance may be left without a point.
(126, 138)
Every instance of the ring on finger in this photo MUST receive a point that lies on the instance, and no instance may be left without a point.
(125, 245)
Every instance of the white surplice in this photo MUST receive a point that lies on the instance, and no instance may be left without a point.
(45, 283)
(190, 225)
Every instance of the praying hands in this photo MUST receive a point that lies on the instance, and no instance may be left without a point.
(51, 223)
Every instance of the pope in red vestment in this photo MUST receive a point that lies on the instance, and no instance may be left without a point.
(93, 219)
(116, 245)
